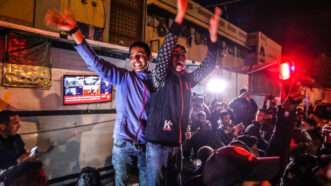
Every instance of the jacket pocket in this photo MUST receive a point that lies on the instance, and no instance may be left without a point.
(120, 143)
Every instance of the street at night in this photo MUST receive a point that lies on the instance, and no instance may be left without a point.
(165, 93)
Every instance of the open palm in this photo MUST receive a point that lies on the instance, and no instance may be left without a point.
(213, 24)
(62, 21)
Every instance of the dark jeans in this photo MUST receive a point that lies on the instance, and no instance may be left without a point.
(124, 155)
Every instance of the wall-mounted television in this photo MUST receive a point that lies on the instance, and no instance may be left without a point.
(83, 89)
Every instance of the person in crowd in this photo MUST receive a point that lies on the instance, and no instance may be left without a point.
(198, 105)
(231, 165)
(133, 90)
(244, 108)
(261, 128)
(12, 147)
(89, 176)
(270, 104)
(326, 146)
(300, 116)
(226, 130)
(249, 143)
(199, 119)
(311, 128)
(215, 115)
(235, 163)
(170, 105)
(304, 167)
(27, 173)
(204, 136)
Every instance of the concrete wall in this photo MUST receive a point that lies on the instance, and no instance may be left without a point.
(69, 143)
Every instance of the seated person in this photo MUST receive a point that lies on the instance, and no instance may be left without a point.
(257, 129)
(227, 130)
(12, 150)
(200, 137)
(28, 173)
(198, 119)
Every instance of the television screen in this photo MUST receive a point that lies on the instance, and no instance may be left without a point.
(85, 89)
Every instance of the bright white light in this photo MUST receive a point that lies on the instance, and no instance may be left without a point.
(216, 85)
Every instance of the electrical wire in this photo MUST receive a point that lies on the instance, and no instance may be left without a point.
(67, 128)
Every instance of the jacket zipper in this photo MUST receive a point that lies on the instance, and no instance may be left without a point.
(142, 111)
(181, 109)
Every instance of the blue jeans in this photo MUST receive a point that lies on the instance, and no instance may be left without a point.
(124, 155)
(157, 159)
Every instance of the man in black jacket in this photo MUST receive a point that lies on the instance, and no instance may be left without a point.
(244, 108)
(170, 105)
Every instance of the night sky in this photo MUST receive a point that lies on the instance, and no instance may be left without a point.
(303, 28)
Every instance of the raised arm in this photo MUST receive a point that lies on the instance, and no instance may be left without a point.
(285, 124)
(209, 62)
(66, 22)
(164, 54)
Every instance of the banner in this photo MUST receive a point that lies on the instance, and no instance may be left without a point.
(26, 61)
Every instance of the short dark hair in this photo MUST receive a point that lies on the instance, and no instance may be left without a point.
(5, 116)
(243, 90)
(224, 113)
(140, 44)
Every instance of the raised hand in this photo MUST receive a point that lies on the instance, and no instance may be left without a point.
(213, 24)
(65, 22)
(181, 10)
(62, 21)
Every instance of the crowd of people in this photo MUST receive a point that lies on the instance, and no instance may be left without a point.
(160, 125)
(300, 145)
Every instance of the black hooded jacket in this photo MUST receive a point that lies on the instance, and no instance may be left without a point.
(170, 104)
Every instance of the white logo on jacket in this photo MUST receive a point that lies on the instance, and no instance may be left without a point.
(167, 126)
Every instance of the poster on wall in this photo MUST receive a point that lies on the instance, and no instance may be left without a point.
(26, 61)
(83, 89)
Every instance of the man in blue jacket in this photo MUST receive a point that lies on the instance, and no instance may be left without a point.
(132, 93)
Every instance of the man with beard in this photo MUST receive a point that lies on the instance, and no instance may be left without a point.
(12, 147)
(133, 90)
